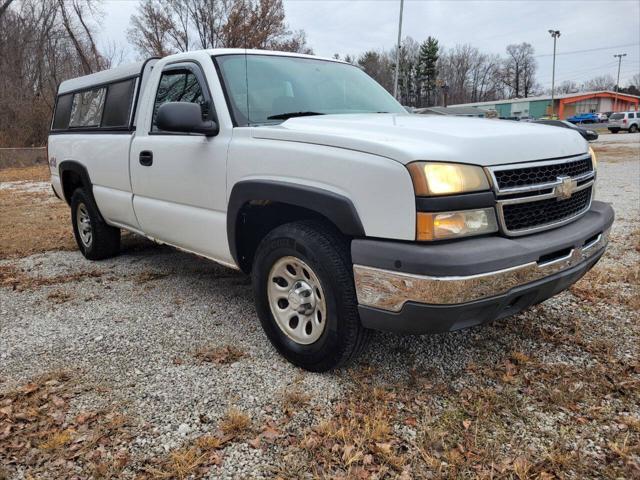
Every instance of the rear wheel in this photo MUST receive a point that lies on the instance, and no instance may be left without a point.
(633, 128)
(96, 240)
(614, 130)
(305, 296)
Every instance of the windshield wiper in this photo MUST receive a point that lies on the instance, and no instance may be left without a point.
(284, 116)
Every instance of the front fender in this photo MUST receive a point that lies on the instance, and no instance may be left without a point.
(337, 208)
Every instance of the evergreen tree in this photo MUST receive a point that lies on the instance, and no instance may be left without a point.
(427, 72)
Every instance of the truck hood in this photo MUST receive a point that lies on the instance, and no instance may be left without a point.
(406, 138)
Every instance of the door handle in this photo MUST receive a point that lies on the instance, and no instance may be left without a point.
(146, 158)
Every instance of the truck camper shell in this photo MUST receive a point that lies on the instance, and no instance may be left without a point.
(102, 101)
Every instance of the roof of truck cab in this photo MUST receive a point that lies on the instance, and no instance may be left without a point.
(133, 69)
(105, 76)
(236, 51)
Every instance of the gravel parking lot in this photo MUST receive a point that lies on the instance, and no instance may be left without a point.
(154, 365)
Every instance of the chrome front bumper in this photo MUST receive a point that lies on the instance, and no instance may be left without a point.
(390, 291)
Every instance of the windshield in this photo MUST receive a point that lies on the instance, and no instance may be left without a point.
(269, 89)
(616, 116)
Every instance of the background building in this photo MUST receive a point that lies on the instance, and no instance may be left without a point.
(455, 111)
(566, 105)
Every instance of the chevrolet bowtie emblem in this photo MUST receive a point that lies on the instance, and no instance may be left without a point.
(566, 188)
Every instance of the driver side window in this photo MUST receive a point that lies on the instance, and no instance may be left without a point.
(178, 86)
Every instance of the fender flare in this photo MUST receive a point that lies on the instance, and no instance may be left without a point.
(78, 168)
(335, 207)
(81, 171)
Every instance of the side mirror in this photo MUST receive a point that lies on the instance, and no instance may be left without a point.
(184, 117)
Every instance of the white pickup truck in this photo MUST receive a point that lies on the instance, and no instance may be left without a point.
(349, 213)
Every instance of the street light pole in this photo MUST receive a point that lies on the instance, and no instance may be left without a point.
(619, 57)
(395, 81)
(555, 34)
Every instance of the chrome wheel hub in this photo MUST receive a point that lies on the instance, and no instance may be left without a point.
(297, 300)
(83, 221)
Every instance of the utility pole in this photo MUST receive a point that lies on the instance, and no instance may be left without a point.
(395, 81)
(619, 57)
(555, 34)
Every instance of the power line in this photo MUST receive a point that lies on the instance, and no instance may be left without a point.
(588, 50)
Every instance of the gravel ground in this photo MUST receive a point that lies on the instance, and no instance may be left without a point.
(129, 329)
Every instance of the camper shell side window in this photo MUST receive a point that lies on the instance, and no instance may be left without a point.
(106, 107)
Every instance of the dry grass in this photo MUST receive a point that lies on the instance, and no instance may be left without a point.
(57, 440)
(617, 284)
(187, 462)
(294, 399)
(477, 432)
(36, 222)
(235, 422)
(220, 355)
(562, 403)
(33, 223)
(35, 173)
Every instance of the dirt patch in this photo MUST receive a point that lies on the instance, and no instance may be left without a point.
(617, 152)
(19, 280)
(146, 277)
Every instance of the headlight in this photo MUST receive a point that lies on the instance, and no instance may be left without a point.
(594, 158)
(444, 225)
(434, 178)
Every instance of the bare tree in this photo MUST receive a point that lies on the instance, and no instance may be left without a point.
(42, 42)
(161, 27)
(80, 34)
(4, 6)
(519, 69)
(602, 82)
(568, 86)
(149, 31)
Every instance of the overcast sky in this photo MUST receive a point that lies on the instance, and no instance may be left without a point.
(353, 26)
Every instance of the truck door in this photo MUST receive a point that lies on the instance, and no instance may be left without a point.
(179, 179)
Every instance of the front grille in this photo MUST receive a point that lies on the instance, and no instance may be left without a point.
(521, 216)
(519, 177)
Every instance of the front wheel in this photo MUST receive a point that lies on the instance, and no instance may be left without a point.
(305, 296)
(633, 128)
(96, 240)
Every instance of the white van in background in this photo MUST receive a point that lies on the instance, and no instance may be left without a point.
(624, 121)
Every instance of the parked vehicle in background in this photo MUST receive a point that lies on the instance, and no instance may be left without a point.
(603, 117)
(584, 118)
(627, 121)
(527, 119)
(589, 135)
(348, 212)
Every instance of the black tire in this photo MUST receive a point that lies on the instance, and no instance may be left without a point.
(105, 239)
(326, 251)
(614, 130)
(633, 128)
